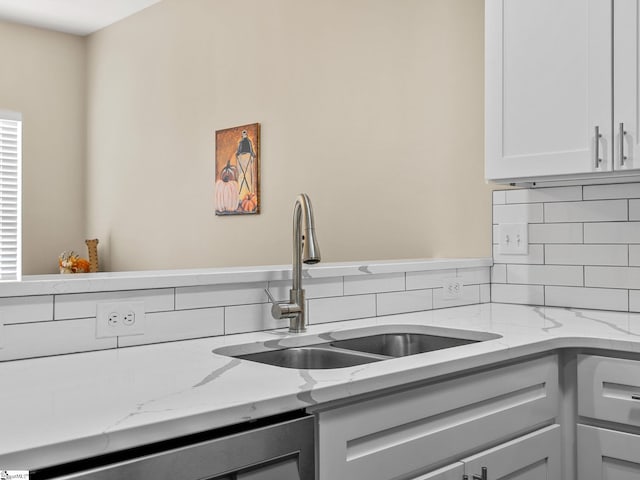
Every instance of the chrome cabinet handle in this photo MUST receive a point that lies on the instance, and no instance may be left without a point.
(635, 397)
(598, 137)
(484, 475)
(622, 133)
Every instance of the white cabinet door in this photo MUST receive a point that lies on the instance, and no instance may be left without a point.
(626, 98)
(450, 472)
(548, 86)
(607, 454)
(536, 456)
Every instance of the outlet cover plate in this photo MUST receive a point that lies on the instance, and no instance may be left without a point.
(452, 288)
(110, 319)
(513, 238)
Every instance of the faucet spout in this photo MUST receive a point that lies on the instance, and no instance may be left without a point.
(305, 250)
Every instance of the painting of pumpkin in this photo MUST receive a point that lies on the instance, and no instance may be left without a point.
(249, 202)
(237, 170)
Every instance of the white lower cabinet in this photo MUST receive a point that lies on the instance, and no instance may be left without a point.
(536, 456)
(405, 434)
(608, 392)
(607, 454)
(451, 472)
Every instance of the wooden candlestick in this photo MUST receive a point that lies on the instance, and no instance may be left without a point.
(92, 246)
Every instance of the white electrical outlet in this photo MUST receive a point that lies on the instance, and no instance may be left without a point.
(514, 238)
(452, 288)
(119, 319)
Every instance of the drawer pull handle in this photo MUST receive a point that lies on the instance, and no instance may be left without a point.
(598, 136)
(635, 397)
(621, 154)
(484, 475)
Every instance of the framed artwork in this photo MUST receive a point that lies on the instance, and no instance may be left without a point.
(237, 181)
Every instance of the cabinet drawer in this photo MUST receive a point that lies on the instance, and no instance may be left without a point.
(606, 454)
(607, 387)
(407, 432)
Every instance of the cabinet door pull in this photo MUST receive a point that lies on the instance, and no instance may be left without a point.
(597, 149)
(484, 475)
(622, 133)
(635, 397)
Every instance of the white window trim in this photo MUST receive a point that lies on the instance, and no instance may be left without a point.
(14, 272)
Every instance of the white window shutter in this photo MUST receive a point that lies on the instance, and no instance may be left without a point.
(10, 195)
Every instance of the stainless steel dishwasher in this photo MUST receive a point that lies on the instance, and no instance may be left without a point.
(278, 448)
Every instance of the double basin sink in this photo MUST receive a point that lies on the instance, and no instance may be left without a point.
(349, 348)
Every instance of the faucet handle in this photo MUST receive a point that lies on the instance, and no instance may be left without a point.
(282, 309)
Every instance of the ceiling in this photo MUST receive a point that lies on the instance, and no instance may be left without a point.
(79, 17)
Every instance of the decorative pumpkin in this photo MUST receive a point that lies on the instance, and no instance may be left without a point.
(227, 194)
(69, 262)
(229, 173)
(249, 202)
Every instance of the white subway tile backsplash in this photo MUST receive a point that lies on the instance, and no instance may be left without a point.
(313, 287)
(428, 279)
(40, 339)
(358, 285)
(555, 233)
(612, 232)
(591, 211)
(499, 197)
(634, 255)
(220, 295)
(619, 190)
(612, 255)
(545, 275)
(523, 213)
(534, 257)
(634, 301)
(634, 209)
(251, 318)
(539, 195)
(323, 310)
(521, 294)
(596, 298)
(26, 309)
(474, 276)
(404, 302)
(470, 295)
(612, 277)
(499, 273)
(83, 305)
(485, 293)
(178, 325)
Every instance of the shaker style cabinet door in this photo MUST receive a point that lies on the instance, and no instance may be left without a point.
(626, 81)
(607, 455)
(536, 456)
(548, 88)
(451, 472)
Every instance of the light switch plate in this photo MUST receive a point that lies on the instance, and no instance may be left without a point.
(513, 238)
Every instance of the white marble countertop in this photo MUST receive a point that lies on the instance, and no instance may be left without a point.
(59, 409)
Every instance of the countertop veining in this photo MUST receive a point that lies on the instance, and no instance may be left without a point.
(63, 408)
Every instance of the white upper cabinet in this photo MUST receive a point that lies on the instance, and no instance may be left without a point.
(626, 83)
(560, 79)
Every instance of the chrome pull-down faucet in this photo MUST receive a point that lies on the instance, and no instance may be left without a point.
(305, 249)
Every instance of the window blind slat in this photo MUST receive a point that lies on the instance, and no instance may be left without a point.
(10, 197)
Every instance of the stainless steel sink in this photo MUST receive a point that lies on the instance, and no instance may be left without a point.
(309, 358)
(348, 348)
(400, 344)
